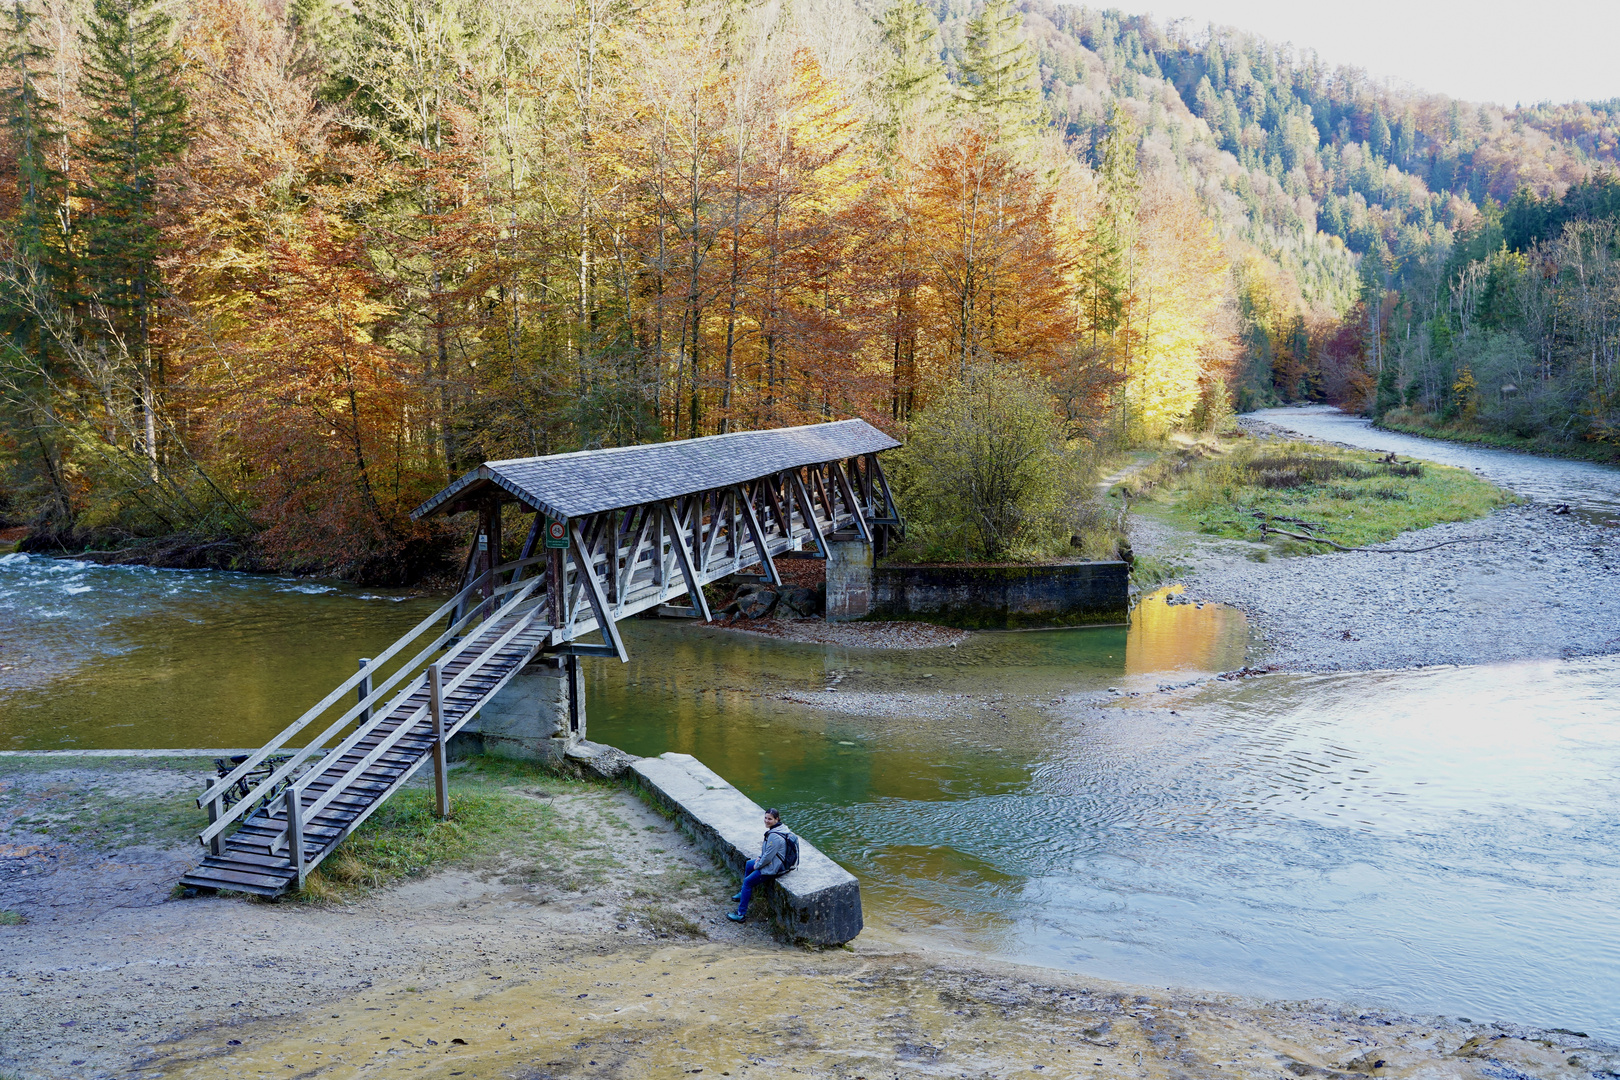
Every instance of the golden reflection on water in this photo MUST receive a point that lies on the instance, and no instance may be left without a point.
(1168, 638)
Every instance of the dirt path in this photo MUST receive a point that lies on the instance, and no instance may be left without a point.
(619, 967)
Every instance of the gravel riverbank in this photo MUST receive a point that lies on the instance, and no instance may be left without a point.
(1532, 583)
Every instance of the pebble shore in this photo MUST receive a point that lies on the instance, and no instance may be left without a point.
(1538, 585)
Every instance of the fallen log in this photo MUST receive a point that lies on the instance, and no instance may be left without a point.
(1266, 529)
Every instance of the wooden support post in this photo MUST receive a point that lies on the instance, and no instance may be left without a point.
(848, 490)
(364, 690)
(809, 510)
(572, 675)
(216, 807)
(595, 594)
(765, 561)
(529, 542)
(295, 831)
(495, 541)
(441, 765)
(683, 558)
(554, 585)
(784, 521)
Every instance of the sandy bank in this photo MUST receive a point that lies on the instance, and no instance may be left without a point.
(614, 962)
(849, 635)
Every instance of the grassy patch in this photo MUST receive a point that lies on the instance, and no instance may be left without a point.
(1352, 497)
(497, 806)
(651, 900)
(665, 921)
(1149, 573)
(11, 918)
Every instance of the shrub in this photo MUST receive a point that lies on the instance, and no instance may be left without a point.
(984, 473)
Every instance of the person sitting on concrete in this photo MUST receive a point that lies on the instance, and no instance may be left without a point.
(772, 862)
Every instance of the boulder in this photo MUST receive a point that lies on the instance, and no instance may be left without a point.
(801, 601)
(756, 604)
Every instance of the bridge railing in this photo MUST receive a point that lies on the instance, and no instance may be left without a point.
(212, 799)
(517, 617)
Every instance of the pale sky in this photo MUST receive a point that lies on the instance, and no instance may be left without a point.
(1558, 50)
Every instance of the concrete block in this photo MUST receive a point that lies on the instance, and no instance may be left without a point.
(819, 902)
(849, 579)
(530, 719)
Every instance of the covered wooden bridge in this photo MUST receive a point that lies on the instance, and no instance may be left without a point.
(613, 533)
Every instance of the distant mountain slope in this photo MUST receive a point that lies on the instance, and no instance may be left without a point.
(1274, 137)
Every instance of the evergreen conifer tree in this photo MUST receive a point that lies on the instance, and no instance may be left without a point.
(30, 119)
(1000, 79)
(35, 250)
(137, 126)
(915, 88)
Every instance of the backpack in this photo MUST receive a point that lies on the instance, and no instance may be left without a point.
(790, 853)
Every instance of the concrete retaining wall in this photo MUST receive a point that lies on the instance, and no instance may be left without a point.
(1003, 597)
(819, 902)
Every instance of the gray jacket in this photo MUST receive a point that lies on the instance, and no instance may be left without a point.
(773, 852)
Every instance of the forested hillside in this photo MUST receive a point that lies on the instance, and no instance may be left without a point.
(1462, 254)
(271, 274)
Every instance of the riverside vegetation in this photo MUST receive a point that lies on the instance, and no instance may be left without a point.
(1231, 487)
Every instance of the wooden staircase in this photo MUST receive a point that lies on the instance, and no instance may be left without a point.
(315, 798)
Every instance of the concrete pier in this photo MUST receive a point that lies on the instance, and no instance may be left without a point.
(531, 718)
(849, 578)
(819, 902)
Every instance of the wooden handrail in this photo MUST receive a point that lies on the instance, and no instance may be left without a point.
(223, 819)
(268, 784)
(340, 784)
(220, 821)
(224, 783)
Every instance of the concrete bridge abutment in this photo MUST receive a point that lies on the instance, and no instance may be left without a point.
(849, 578)
(533, 718)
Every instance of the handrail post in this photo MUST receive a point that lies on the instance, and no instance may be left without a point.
(295, 831)
(441, 781)
(364, 690)
(216, 807)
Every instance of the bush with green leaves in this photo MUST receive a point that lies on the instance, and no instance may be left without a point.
(985, 474)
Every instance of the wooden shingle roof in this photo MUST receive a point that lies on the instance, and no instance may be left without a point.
(592, 481)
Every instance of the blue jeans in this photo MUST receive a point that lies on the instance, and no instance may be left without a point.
(751, 881)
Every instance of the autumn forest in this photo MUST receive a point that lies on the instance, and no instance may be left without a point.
(270, 275)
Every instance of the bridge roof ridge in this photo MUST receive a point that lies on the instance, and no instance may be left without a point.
(591, 481)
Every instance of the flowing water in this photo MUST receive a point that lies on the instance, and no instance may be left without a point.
(1440, 840)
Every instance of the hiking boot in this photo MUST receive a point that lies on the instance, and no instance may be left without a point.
(736, 898)
(735, 916)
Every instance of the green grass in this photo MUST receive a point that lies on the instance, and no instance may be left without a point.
(11, 918)
(497, 807)
(1348, 496)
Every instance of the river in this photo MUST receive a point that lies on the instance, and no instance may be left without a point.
(1437, 840)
